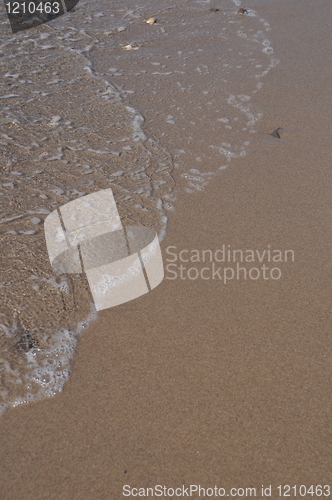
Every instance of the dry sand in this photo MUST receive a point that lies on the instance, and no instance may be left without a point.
(201, 382)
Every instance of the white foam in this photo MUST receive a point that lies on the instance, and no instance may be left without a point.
(44, 370)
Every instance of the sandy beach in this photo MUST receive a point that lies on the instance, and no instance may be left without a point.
(210, 381)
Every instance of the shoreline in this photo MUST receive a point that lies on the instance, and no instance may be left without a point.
(197, 383)
(146, 178)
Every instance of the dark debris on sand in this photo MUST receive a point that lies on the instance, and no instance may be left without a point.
(27, 342)
(276, 133)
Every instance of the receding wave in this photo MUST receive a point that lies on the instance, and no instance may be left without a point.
(97, 99)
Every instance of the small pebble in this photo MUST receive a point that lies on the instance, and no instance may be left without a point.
(242, 11)
(54, 121)
(130, 47)
(151, 20)
(27, 342)
(276, 133)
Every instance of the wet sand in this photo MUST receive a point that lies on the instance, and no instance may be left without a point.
(201, 382)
